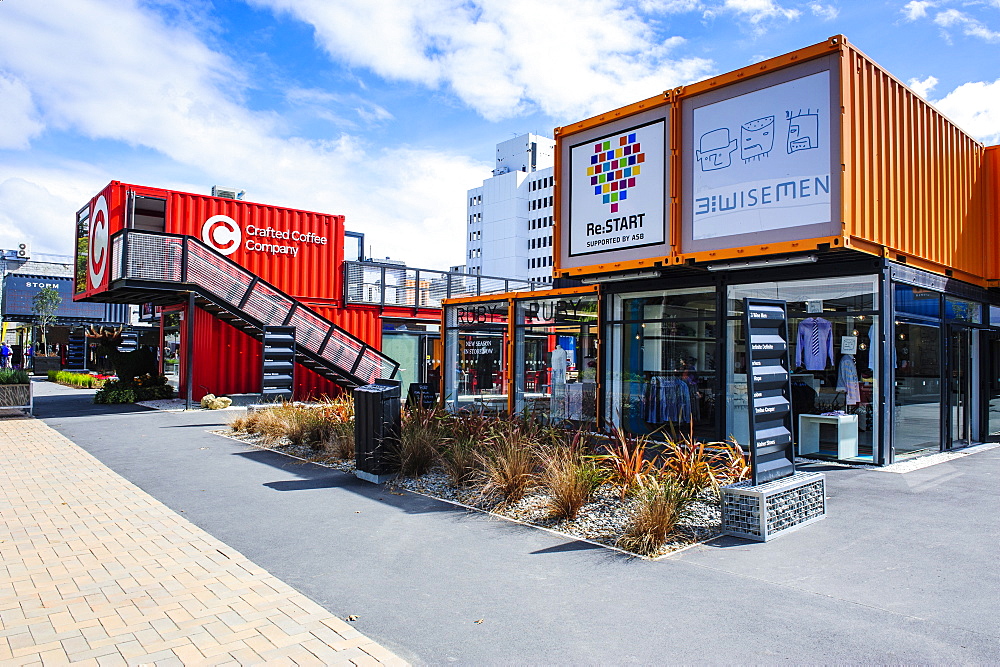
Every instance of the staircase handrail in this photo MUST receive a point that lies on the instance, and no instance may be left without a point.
(187, 246)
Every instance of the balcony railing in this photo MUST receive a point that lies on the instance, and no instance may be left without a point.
(394, 285)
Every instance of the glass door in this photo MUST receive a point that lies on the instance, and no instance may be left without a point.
(962, 351)
(171, 350)
(917, 415)
(990, 404)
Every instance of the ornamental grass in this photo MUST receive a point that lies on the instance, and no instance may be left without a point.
(326, 427)
(422, 434)
(508, 462)
(625, 460)
(660, 504)
(570, 478)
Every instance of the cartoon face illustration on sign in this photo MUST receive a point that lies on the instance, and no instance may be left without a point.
(98, 262)
(756, 138)
(716, 150)
(222, 233)
(803, 131)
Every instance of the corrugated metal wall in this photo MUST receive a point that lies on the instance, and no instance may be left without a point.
(992, 187)
(912, 179)
(118, 313)
(227, 361)
(314, 273)
(913, 183)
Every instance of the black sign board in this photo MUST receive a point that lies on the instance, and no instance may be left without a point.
(19, 291)
(422, 394)
(769, 389)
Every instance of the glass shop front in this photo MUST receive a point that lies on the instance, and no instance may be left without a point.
(889, 361)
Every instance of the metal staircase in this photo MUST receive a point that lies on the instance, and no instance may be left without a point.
(163, 268)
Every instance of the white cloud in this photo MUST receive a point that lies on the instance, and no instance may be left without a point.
(924, 87)
(975, 106)
(916, 9)
(324, 104)
(969, 25)
(568, 58)
(109, 70)
(757, 11)
(20, 118)
(39, 208)
(670, 6)
(825, 12)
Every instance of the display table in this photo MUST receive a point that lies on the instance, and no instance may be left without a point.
(847, 434)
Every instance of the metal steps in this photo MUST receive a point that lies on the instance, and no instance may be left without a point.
(159, 265)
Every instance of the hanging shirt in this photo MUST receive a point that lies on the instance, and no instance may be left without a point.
(847, 379)
(814, 345)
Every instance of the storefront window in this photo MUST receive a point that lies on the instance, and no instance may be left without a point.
(82, 248)
(661, 366)
(834, 346)
(917, 301)
(556, 365)
(476, 356)
(959, 310)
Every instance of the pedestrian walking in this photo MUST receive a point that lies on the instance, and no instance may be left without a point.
(4, 356)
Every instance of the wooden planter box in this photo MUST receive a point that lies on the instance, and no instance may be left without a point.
(16, 396)
(42, 365)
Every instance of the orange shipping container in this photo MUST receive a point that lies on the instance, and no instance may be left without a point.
(892, 176)
(992, 239)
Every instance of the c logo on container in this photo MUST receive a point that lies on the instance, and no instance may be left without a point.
(98, 262)
(222, 233)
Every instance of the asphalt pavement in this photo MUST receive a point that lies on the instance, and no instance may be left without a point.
(901, 570)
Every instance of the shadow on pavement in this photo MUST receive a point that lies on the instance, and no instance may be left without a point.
(312, 476)
(568, 546)
(82, 405)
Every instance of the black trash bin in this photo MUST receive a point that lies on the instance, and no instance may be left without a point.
(377, 423)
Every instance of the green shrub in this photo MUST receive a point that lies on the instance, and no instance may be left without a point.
(14, 376)
(84, 380)
(115, 391)
(143, 388)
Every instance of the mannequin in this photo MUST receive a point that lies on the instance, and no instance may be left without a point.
(559, 360)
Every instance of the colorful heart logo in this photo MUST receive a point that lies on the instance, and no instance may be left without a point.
(613, 171)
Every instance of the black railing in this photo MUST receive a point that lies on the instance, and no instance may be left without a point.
(394, 285)
(187, 263)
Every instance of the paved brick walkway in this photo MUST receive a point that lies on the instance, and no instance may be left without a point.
(94, 570)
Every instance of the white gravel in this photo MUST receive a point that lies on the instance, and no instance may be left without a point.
(602, 521)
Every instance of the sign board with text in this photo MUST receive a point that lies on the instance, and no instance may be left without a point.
(769, 389)
(761, 160)
(614, 191)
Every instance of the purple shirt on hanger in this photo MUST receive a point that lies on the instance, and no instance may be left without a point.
(814, 344)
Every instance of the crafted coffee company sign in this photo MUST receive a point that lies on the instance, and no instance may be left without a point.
(224, 235)
(617, 191)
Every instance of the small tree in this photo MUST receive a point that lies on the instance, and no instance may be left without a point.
(44, 305)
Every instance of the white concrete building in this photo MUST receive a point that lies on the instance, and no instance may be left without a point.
(509, 221)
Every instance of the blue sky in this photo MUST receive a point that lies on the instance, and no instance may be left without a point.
(387, 111)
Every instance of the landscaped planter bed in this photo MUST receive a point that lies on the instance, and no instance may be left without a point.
(602, 520)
